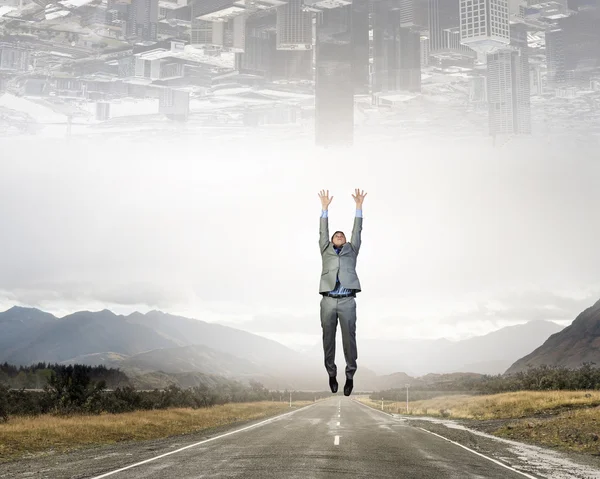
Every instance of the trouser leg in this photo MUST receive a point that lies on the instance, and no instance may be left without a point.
(329, 326)
(346, 311)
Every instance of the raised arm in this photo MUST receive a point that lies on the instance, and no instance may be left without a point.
(324, 221)
(357, 228)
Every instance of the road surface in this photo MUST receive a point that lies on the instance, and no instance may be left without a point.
(334, 438)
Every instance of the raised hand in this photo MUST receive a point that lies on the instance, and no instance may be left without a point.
(325, 200)
(359, 197)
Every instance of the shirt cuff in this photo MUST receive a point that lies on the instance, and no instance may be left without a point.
(324, 213)
(359, 213)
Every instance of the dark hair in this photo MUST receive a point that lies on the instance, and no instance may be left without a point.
(335, 234)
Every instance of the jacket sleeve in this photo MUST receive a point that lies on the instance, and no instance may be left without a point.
(323, 231)
(357, 228)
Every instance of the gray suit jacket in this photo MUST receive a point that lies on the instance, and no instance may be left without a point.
(344, 263)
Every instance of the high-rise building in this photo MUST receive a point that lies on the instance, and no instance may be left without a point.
(360, 45)
(518, 41)
(261, 57)
(508, 93)
(294, 26)
(424, 50)
(334, 86)
(219, 23)
(573, 49)
(453, 43)
(555, 57)
(478, 90)
(396, 51)
(484, 24)
(142, 21)
(443, 14)
(406, 12)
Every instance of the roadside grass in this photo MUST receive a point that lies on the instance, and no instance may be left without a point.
(27, 436)
(566, 420)
(496, 406)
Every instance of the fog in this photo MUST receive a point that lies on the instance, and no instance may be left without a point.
(459, 237)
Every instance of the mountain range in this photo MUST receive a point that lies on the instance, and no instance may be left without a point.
(492, 353)
(578, 343)
(144, 345)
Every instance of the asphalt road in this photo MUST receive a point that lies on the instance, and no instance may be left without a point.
(330, 439)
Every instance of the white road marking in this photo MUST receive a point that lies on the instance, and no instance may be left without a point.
(336, 441)
(201, 442)
(338, 423)
(339, 415)
(481, 455)
(460, 445)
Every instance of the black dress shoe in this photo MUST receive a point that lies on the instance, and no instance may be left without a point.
(333, 384)
(348, 387)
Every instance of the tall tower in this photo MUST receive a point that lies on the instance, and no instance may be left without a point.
(443, 14)
(142, 22)
(508, 101)
(360, 45)
(294, 26)
(261, 57)
(334, 86)
(556, 57)
(397, 51)
(484, 25)
(522, 81)
(573, 48)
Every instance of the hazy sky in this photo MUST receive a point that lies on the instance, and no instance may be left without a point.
(458, 238)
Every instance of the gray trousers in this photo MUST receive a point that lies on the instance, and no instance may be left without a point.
(345, 310)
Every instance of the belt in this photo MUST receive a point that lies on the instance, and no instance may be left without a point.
(353, 295)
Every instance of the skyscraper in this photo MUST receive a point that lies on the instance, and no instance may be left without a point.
(142, 22)
(396, 51)
(522, 81)
(443, 14)
(360, 45)
(406, 12)
(484, 24)
(508, 93)
(294, 26)
(334, 87)
(555, 57)
(573, 49)
(261, 57)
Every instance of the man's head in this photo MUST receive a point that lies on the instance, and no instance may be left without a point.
(338, 239)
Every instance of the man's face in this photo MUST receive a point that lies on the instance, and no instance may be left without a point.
(339, 239)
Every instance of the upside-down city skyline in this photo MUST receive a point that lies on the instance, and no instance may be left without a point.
(513, 67)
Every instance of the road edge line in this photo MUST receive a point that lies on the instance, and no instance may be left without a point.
(456, 443)
(275, 418)
(481, 455)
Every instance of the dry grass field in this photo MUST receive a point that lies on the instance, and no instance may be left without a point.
(568, 420)
(497, 406)
(26, 436)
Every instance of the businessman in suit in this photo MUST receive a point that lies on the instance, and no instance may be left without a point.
(339, 285)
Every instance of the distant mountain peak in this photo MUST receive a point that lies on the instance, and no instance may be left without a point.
(571, 347)
(15, 309)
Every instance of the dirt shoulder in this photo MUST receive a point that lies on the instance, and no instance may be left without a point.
(529, 457)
